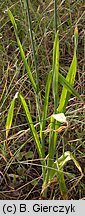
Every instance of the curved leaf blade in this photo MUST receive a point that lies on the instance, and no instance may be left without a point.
(10, 115)
(22, 52)
(55, 70)
(31, 125)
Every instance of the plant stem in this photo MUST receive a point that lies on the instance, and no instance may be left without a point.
(35, 60)
(55, 16)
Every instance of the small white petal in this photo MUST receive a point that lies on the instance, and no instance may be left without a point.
(16, 95)
(59, 117)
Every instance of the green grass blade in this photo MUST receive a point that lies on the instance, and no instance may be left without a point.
(33, 130)
(55, 15)
(67, 156)
(65, 94)
(61, 161)
(76, 38)
(13, 21)
(52, 135)
(57, 169)
(34, 59)
(55, 71)
(33, 45)
(22, 52)
(70, 78)
(10, 115)
(44, 116)
(69, 87)
(62, 184)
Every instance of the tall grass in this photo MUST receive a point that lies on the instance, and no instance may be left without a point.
(51, 167)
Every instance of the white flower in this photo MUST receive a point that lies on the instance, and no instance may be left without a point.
(16, 95)
(60, 117)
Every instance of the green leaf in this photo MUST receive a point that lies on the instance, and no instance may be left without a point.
(55, 70)
(70, 78)
(45, 109)
(22, 52)
(52, 135)
(31, 125)
(58, 167)
(68, 86)
(10, 114)
(67, 156)
(12, 20)
(75, 37)
(62, 184)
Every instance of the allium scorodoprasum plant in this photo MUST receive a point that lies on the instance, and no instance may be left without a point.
(51, 168)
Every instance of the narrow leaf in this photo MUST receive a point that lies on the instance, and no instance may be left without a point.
(62, 184)
(10, 115)
(61, 162)
(55, 70)
(47, 91)
(22, 52)
(33, 130)
(67, 156)
(70, 78)
(53, 135)
(69, 87)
